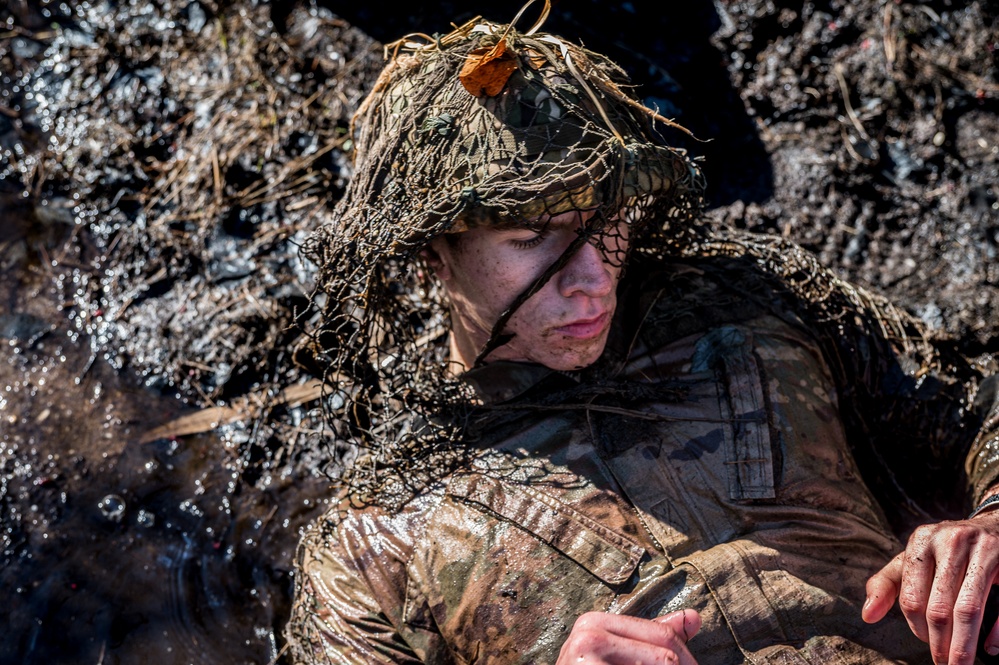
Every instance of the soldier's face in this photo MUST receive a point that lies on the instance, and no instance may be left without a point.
(563, 326)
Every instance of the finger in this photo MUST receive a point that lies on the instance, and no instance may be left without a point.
(609, 639)
(918, 567)
(941, 604)
(646, 631)
(969, 607)
(618, 650)
(992, 641)
(882, 590)
(685, 623)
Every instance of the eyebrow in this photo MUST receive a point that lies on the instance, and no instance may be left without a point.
(536, 224)
(542, 223)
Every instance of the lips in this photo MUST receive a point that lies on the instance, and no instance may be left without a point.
(585, 328)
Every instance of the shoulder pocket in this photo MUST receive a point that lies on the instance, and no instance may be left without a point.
(608, 555)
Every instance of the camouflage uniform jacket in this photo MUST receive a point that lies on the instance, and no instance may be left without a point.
(711, 470)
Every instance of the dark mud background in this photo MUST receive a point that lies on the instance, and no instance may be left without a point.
(160, 162)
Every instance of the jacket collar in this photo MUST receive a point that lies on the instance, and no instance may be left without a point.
(505, 380)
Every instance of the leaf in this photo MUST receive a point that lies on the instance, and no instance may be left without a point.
(535, 59)
(247, 407)
(487, 69)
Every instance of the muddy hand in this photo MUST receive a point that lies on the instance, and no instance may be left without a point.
(942, 581)
(598, 638)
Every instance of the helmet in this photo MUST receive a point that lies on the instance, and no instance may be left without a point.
(487, 125)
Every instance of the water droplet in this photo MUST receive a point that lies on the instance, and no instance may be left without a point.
(145, 518)
(112, 507)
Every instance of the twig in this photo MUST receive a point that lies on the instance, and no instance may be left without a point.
(838, 71)
(245, 407)
(217, 176)
(854, 120)
(889, 37)
(276, 658)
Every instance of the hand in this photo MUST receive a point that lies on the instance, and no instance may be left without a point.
(612, 639)
(942, 581)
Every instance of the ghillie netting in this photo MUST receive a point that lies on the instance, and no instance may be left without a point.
(488, 125)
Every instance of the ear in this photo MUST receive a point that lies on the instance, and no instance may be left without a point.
(435, 255)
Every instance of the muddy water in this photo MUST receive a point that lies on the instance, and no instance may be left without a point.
(116, 551)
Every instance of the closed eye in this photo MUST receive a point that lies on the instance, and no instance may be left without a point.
(530, 242)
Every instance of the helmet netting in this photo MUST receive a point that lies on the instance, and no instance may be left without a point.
(563, 134)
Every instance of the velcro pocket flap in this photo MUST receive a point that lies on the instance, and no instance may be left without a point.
(606, 554)
(729, 351)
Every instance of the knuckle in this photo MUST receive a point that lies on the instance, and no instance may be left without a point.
(587, 641)
(922, 534)
(911, 602)
(586, 620)
(938, 615)
(967, 611)
(960, 656)
(669, 635)
(958, 535)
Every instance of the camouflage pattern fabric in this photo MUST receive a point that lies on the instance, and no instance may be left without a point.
(709, 460)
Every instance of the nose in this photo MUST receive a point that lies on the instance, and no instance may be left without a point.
(587, 272)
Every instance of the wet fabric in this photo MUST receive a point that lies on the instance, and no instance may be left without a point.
(708, 461)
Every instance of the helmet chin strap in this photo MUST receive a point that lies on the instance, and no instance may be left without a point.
(497, 337)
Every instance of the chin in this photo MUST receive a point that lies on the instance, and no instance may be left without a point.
(574, 359)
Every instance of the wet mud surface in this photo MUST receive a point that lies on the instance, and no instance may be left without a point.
(161, 438)
(117, 549)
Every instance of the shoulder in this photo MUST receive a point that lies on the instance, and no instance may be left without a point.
(359, 557)
(351, 537)
(664, 300)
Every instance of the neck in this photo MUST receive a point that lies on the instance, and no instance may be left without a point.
(460, 362)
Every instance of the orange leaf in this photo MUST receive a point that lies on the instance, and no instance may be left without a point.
(486, 70)
(535, 59)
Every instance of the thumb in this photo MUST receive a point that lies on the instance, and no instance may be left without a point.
(683, 622)
(882, 589)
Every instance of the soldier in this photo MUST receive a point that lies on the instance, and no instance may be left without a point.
(574, 423)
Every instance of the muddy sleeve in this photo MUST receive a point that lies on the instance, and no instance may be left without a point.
(349, 599)
(982, 464)
(929, 423)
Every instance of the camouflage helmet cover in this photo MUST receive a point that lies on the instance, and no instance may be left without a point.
(560, 134)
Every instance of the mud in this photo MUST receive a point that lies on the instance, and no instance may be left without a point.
(161, 442)
(116, 551)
